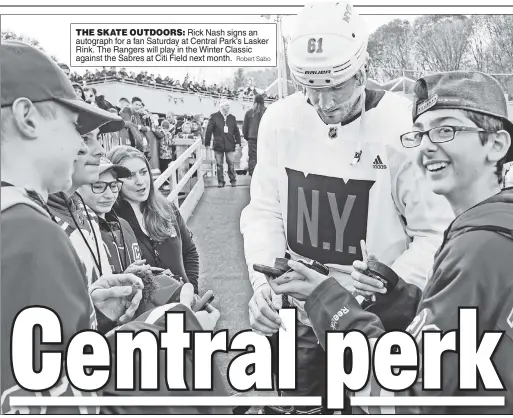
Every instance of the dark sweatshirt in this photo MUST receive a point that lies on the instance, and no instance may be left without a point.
(39, 268)
(120, 242)
(251, 123)
(178, 254)
(472, 268)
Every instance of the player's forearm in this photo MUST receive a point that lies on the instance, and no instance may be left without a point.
(261, 223)
(264, 239)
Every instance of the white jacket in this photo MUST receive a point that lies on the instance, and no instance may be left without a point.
(306, 196)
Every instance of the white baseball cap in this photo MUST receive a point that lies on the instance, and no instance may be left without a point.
(120, 171)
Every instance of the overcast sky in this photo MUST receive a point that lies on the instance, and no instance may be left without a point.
(53, 33)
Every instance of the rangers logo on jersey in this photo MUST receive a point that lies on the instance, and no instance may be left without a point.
(327, 217)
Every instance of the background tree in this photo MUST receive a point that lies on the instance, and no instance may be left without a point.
(391, 47)
(442, 42)
(263, 77)
(479, 45)
(239, 79)
(499, 29)
(9, 34)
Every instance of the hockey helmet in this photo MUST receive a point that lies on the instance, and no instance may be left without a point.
(328, 45)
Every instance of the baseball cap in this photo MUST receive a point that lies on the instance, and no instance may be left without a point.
(463, 90)
(30, 73)
(120, 171)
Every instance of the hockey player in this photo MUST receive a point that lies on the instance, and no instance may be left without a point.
(462, 137)
(331, 172)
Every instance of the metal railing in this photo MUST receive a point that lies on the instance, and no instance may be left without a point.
(177, 89)
(178, 185)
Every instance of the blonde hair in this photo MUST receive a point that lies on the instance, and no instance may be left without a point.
(158, 214)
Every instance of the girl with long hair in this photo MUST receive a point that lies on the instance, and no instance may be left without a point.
(161, 232)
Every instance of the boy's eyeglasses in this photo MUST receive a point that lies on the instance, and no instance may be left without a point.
(100, 186)
(437, 135)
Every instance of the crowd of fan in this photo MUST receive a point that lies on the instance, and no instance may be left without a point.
(150, 80)
(152, 134)
(148, 132)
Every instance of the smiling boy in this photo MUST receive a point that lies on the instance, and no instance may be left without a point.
(461, 138)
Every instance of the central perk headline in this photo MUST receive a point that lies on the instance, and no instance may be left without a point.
(174, 45)
(393, 360)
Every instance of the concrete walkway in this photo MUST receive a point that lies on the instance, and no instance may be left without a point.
(215, 225)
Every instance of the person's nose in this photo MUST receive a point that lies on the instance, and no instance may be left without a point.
(427, 146)
(139, 179)
(83, 147)
(108, 193)
(326, 101)
(96, 148)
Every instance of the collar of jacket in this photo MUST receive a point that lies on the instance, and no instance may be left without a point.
(495, 212)
(58, 201)
(12, 196)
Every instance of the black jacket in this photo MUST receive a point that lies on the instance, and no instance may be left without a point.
(252, 123)
(177, 254)
(222, 141)
(120, 242)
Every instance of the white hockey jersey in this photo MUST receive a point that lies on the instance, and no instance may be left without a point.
(307, 198)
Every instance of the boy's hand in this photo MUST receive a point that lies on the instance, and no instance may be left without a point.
(112, 294)
(364, 284)
(208, 320)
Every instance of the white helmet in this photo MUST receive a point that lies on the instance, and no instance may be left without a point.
(328, 46)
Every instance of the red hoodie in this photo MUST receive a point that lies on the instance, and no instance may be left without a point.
(472, 268)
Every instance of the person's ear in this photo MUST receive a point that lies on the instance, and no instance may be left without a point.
(26, 117)
(500, 143)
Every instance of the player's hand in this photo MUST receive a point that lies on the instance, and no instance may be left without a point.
(299, 283)
(208, 320)
(263, 311)
(112, 295)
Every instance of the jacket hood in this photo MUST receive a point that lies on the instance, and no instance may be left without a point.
(70, 210)
(12, 196)
(497, 211)
(58, 201)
